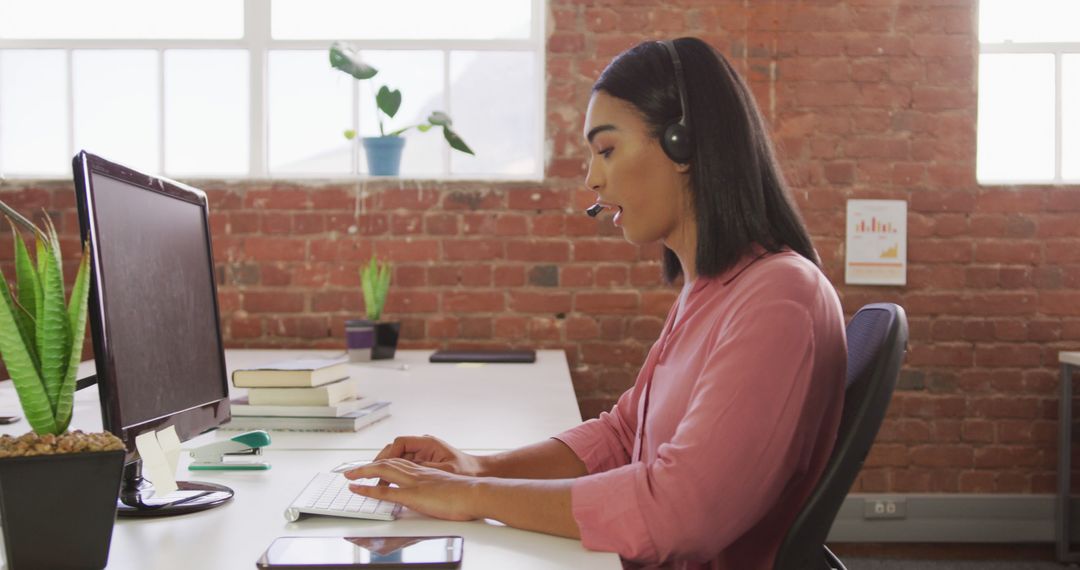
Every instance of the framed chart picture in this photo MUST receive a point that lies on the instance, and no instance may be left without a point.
(876, 252)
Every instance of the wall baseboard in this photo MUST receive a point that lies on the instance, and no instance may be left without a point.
(887, 517)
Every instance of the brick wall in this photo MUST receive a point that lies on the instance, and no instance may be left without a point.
(868, 99)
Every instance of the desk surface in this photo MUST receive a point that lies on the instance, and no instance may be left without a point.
(233, 536)
(482, 408)
(471, 406)
(1069, 358)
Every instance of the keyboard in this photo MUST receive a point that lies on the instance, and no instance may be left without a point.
(329, 494)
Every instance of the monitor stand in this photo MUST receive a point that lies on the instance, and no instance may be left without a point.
(137, 496)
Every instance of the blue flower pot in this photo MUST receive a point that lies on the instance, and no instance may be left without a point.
(383, 155)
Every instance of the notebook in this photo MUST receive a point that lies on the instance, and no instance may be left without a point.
(497, 356)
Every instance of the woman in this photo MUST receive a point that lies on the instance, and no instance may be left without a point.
(707, 459)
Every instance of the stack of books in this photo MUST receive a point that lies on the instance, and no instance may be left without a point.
(308, 394)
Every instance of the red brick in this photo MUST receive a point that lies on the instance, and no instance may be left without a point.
(406, 250)
(538, 199)
(544, 328)
(275, 223)
(278, 199)
(510, 327)
(272, 302)
(511, 225)
(472, 249)
(512, 276)
(576, 276)
(607, 303)
(332, 199)
(308, 223)
(244, 327)
(562, 42)
(473, 301)
(408, 223)
(612, 353)
(441, 224)
(274, 249)
(392, 198)
(604, 250)
(536, 250)
(307, 327)
(398, 301)
(582, 328)
(531, 302)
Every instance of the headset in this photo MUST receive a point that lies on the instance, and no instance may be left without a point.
(676, 138)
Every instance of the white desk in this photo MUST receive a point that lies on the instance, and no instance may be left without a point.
(479, 407)
(483, 409)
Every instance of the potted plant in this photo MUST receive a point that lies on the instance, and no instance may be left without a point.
(384, 151)
(58, 489)
(372, 339)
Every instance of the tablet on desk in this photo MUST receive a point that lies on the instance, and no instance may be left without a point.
(497, 356)
(362, 552)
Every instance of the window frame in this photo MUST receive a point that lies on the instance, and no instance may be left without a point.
(1058, 50)
(258, 42)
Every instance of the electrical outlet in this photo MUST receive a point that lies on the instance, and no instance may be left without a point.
(885, 508)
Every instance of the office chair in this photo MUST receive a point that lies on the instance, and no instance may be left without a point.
(877, 340)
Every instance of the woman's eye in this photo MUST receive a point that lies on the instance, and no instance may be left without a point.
(606, 152)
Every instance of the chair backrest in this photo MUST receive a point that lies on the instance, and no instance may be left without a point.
(877, 340)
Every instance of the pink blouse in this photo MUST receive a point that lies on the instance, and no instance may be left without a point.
(707, 460)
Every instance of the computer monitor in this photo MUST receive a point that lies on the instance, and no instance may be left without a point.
(153, 316)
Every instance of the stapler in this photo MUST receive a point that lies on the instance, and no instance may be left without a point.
(212, 455)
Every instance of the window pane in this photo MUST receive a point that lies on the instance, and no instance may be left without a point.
(116, 105)
(499, 119)
(1070, 119)
(121, 19)
(418, 75)
(403, 19)
(206, 112)
(310, 108)
(1016, 118)
(1029, 21)
(33, 112)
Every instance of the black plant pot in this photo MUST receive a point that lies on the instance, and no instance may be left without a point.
(386, 335)
(58, 510)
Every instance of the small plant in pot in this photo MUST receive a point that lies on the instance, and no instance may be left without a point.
(371, 338)
(58, 489)
(384, 151)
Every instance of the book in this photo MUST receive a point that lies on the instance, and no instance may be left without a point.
(324, 395)
(306, 372)
(351, 421)
(241, 407)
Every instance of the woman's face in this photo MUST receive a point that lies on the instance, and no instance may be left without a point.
(633, 177)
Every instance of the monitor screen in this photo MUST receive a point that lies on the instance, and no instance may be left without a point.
(153, 302)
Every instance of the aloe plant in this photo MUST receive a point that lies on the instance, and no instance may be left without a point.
(40, 337)
(375, 281)
(388, 101)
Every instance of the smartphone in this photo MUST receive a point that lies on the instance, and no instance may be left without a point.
(403, 552)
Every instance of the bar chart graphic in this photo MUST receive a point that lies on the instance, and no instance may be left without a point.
(876, 252)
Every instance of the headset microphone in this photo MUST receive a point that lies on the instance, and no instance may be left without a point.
(594, 210)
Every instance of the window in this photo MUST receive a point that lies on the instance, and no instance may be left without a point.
(1029, 92)
(235, 88)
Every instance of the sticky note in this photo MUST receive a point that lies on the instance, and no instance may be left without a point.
(155, 466)
(170, 445)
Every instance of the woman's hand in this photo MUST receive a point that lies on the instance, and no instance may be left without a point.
(429, 451)
(426, 490)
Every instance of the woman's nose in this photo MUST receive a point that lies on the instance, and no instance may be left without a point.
(593, 180)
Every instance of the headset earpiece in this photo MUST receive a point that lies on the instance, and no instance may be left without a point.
(676, 138)
(676, 143)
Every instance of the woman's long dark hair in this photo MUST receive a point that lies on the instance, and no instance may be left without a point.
(738, 192)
